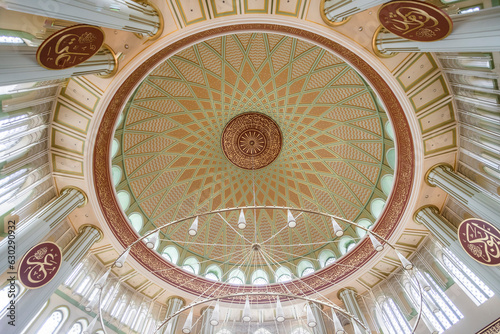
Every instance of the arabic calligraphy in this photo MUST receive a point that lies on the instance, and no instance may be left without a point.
(39, 265)
(70, 47)
(415, 20)
(480, 240)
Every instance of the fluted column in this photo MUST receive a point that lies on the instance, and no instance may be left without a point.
(32, 301)
(473, 32)
(429, 217)
(19, 65)
(467, 193)
(34, 229)
(129, 15)
(336, 12)
(206, 327)
(174, 304)
(348, 296)
(320, 321)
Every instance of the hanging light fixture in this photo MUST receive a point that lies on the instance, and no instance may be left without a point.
(214, 319)
(339, 329)
(291, 219)
(121, 260)
(404, 261)
(186, 329)
(356, 329)
(153, 238)
(376, 244)
(91, 326)
(102, 281)
(337, 229)
(423, 283)
(246, 311)
(311, 321)
(241, 220)
(194, 227)
(280, 314)
(432, 306)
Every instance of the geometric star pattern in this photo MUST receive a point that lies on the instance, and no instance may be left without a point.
(333, 150)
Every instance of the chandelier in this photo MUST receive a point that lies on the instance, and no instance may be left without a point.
(227, 294)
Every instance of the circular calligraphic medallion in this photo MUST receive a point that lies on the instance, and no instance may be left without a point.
(415, 20)
(481, 240)
(39, 265)
(70, 47)
(251, 140)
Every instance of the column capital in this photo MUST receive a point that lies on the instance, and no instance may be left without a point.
(83, 227)
(115, 60)
(443, 165)
(69, 188)
(418, 211)
(176, 297)
(349, 288)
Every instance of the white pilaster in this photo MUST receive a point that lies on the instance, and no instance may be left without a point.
(34, 229)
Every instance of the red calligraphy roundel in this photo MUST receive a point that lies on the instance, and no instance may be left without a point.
(39, 265)
(70, 47)
(415, 20)
(481, 240)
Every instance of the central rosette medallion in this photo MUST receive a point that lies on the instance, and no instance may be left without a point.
(251, 140)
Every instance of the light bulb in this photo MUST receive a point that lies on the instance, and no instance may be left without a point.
(186, 329)
(376, 244)
(241, 221)
(246, 311)
(121, 260)
(214, 319)
(280, 315)
(152, 239)
(337, 229)
(102, 281)
(311, 321)
(291, 219)
(194, 227)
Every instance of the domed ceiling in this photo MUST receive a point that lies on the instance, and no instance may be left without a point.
(170, 161)
(333, 143)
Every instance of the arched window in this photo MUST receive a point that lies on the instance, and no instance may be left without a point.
(448, 313)
(346, 243)
(136, 221)
(389, 130)
(366, 224)
(54, 322)
(115, 147)
(213, 272)
(171, 254)
(119, 307)
(123, 199)
(392, 318)
(192, 265)
(386, 183)
(259, 277)
(82, 287)
(300, 330)
(71, 280)
(305, 268)
(262, 331)
(116, 175)
(236, 276)
(391, 157)
(376, 207)
(326, 257)
(283, 274)
(475, 288)
(78, 327)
